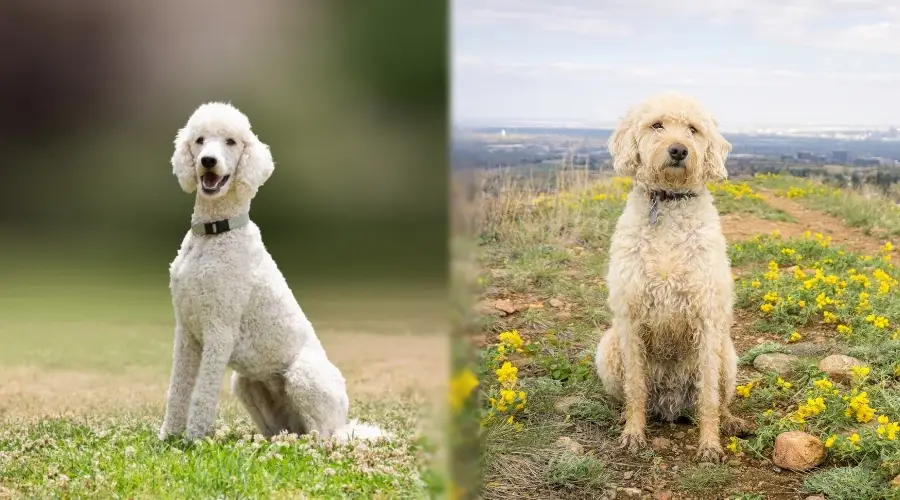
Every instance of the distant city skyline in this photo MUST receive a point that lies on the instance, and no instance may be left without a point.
(760, 63)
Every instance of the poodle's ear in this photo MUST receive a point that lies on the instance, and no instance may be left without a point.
(183, 162)
(623, 146)
(256, 164)
(716, 153)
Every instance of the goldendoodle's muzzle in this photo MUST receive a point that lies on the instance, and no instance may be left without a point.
(677, 154)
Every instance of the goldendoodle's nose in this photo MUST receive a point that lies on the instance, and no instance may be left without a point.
(210, 162)
(678, 151)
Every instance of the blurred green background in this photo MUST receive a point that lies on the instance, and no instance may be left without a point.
(350, 96)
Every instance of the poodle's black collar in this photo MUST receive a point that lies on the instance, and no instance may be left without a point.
(658, 195)
(220, 226)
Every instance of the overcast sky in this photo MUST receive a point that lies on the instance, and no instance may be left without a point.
(752, 62)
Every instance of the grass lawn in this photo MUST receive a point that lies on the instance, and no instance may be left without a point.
(84, 366)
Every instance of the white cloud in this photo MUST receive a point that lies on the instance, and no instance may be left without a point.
(797, 22)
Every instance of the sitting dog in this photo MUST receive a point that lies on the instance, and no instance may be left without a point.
(670, 286)
(233, 306)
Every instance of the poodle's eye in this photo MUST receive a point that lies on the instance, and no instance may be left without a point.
(230, 142)
(657, 126)
(693, 129)
(199, 140)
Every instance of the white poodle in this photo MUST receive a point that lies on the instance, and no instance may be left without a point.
(233, 306)
(669, 279)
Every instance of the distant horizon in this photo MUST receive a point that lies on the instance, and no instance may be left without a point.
(764, 64)
(603, 125)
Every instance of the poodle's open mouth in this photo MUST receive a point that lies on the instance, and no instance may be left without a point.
(675, 164)
(213, 183)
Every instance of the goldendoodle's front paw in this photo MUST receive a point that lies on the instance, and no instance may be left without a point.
(711, 452)
(632, 441)
(734, 426)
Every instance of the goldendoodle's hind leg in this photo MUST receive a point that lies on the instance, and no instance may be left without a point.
(265, 410)
(317, 393)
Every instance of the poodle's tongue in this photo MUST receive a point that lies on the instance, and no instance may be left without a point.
(211, 180)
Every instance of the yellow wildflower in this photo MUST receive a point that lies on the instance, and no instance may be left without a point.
(461, 386)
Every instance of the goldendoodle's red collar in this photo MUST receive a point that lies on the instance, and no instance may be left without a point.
(220, 226)
(659, 195)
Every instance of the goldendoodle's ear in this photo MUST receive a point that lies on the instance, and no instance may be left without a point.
(623, 146)
(183, 162)
(256, 164)
(716, 153)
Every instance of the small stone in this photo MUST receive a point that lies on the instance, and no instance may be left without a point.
(660, 443)
(814, 497)
(631, 492)
(674, 468)
(895, 483)
(734, 462)
(761, 340)
(570, 445)
(662, 495)
(776, 362)
(690, 447)
(798, 451)
(505, 305)
(555, 303)
(838, 366)
(678, 435)
(628, 474)
(565, 404)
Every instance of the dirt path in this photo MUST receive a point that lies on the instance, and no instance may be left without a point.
(375, 365)
(741, 226)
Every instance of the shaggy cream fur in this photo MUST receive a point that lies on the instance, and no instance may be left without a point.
(233, 306)
(670, 287)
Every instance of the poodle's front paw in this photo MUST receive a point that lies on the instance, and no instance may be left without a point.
(197, 432)
(165, 431)
(633, 441)
(710, 452)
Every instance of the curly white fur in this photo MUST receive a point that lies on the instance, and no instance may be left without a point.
(233, 306)
(670, 285)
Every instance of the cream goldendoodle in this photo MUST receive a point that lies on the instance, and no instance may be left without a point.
(670, 285)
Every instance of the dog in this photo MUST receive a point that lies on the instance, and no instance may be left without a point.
(669, 345)
(233, 307)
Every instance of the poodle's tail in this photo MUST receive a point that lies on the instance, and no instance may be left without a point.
(354, 430)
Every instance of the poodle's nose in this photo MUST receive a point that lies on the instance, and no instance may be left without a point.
(210, 162)
(677, 151)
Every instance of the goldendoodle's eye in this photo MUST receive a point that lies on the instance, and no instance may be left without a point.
(692, 129)
(199, 140)
(657, 126)
(230, 142)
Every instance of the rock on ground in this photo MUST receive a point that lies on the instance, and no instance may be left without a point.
(798, 451)
(570, 445)
(838, 366)
(777, 362)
